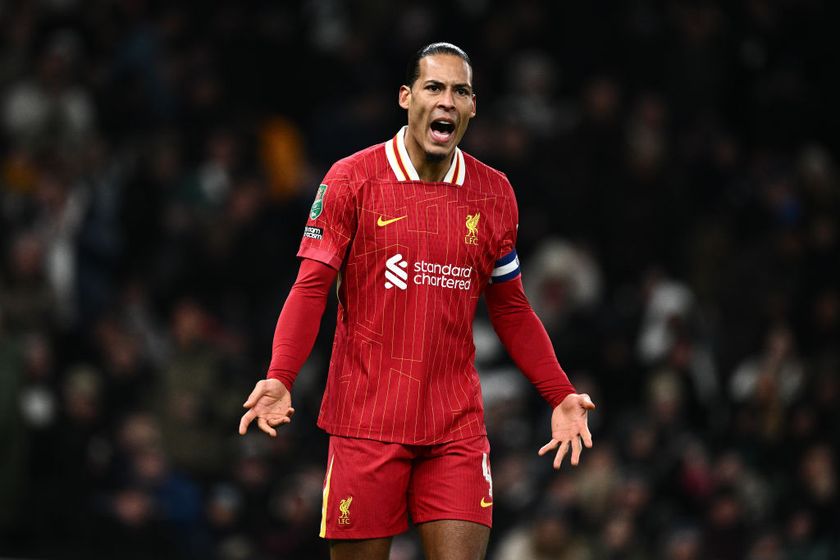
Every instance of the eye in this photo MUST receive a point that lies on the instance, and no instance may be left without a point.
(462, 91)
(433, 87)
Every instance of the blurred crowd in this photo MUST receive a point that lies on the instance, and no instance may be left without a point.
(676, 169)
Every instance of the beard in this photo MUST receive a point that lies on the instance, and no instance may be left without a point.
(436, 157)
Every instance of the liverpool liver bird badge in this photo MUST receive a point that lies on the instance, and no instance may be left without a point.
(472, 227)
(344, 508)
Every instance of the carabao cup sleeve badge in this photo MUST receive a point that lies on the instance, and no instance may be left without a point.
(318, 205)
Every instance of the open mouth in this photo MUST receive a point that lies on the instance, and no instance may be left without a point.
(442, 130)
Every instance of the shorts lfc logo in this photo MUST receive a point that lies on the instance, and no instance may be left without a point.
(472, 227)
(344, 508)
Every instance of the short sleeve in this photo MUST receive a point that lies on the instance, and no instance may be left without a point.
(332, 221)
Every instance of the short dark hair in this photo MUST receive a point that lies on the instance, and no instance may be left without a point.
(413, 70)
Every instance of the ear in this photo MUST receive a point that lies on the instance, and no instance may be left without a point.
(405, 97)
(472, 114)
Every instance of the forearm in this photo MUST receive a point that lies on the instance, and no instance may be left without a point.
(526, 340)
(299, 321)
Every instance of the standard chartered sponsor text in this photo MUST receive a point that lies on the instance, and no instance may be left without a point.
(442, 275)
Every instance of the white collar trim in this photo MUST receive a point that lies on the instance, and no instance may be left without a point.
(404, 170)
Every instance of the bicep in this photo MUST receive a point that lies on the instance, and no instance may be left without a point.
(506, 298)
(314, 277)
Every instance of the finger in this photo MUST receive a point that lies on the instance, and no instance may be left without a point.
(255, 395)
(586, 402)
(291, 412)
(586, 435)
(548, 447)
(246, 420)
(561, 453)
(279, 420)
(576, 449)
(263, 424)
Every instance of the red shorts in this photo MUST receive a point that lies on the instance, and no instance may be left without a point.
(371, 486)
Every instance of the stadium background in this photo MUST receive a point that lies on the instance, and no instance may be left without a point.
(675, 164)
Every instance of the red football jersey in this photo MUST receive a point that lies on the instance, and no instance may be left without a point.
(413, 258)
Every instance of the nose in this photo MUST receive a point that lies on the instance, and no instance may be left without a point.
(447, 99)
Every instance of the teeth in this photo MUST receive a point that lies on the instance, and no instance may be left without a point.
(443, 126)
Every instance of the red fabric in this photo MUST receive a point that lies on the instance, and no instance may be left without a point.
(297, 326)
(402, 367)
(526, 341)
(372, 479)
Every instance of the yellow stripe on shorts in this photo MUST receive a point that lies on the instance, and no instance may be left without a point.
(323, 532)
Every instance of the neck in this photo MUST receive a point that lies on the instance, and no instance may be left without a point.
(430, 168)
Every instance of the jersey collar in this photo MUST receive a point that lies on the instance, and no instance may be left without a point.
(404, 170)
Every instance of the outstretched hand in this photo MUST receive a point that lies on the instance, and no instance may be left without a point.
(271, 404)
(569, 428)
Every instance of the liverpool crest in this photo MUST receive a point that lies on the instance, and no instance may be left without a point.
(344, 508)
(472, 229)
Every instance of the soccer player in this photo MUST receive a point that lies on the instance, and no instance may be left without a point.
(415, 230)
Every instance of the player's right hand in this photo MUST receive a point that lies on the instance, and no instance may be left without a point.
(271, 404)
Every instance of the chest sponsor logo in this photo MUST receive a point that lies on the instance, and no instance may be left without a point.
(395, 274)
(425, 273)
(472, 229)
(313, 232)
(318, 205)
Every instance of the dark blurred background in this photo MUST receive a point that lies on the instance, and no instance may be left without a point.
(676, 169)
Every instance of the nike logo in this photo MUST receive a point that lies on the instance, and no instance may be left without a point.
(382, 223)
(485, 504)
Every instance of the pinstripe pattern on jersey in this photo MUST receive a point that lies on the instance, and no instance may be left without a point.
(401, 368)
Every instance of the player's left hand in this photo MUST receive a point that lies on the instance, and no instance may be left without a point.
(569, 428)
